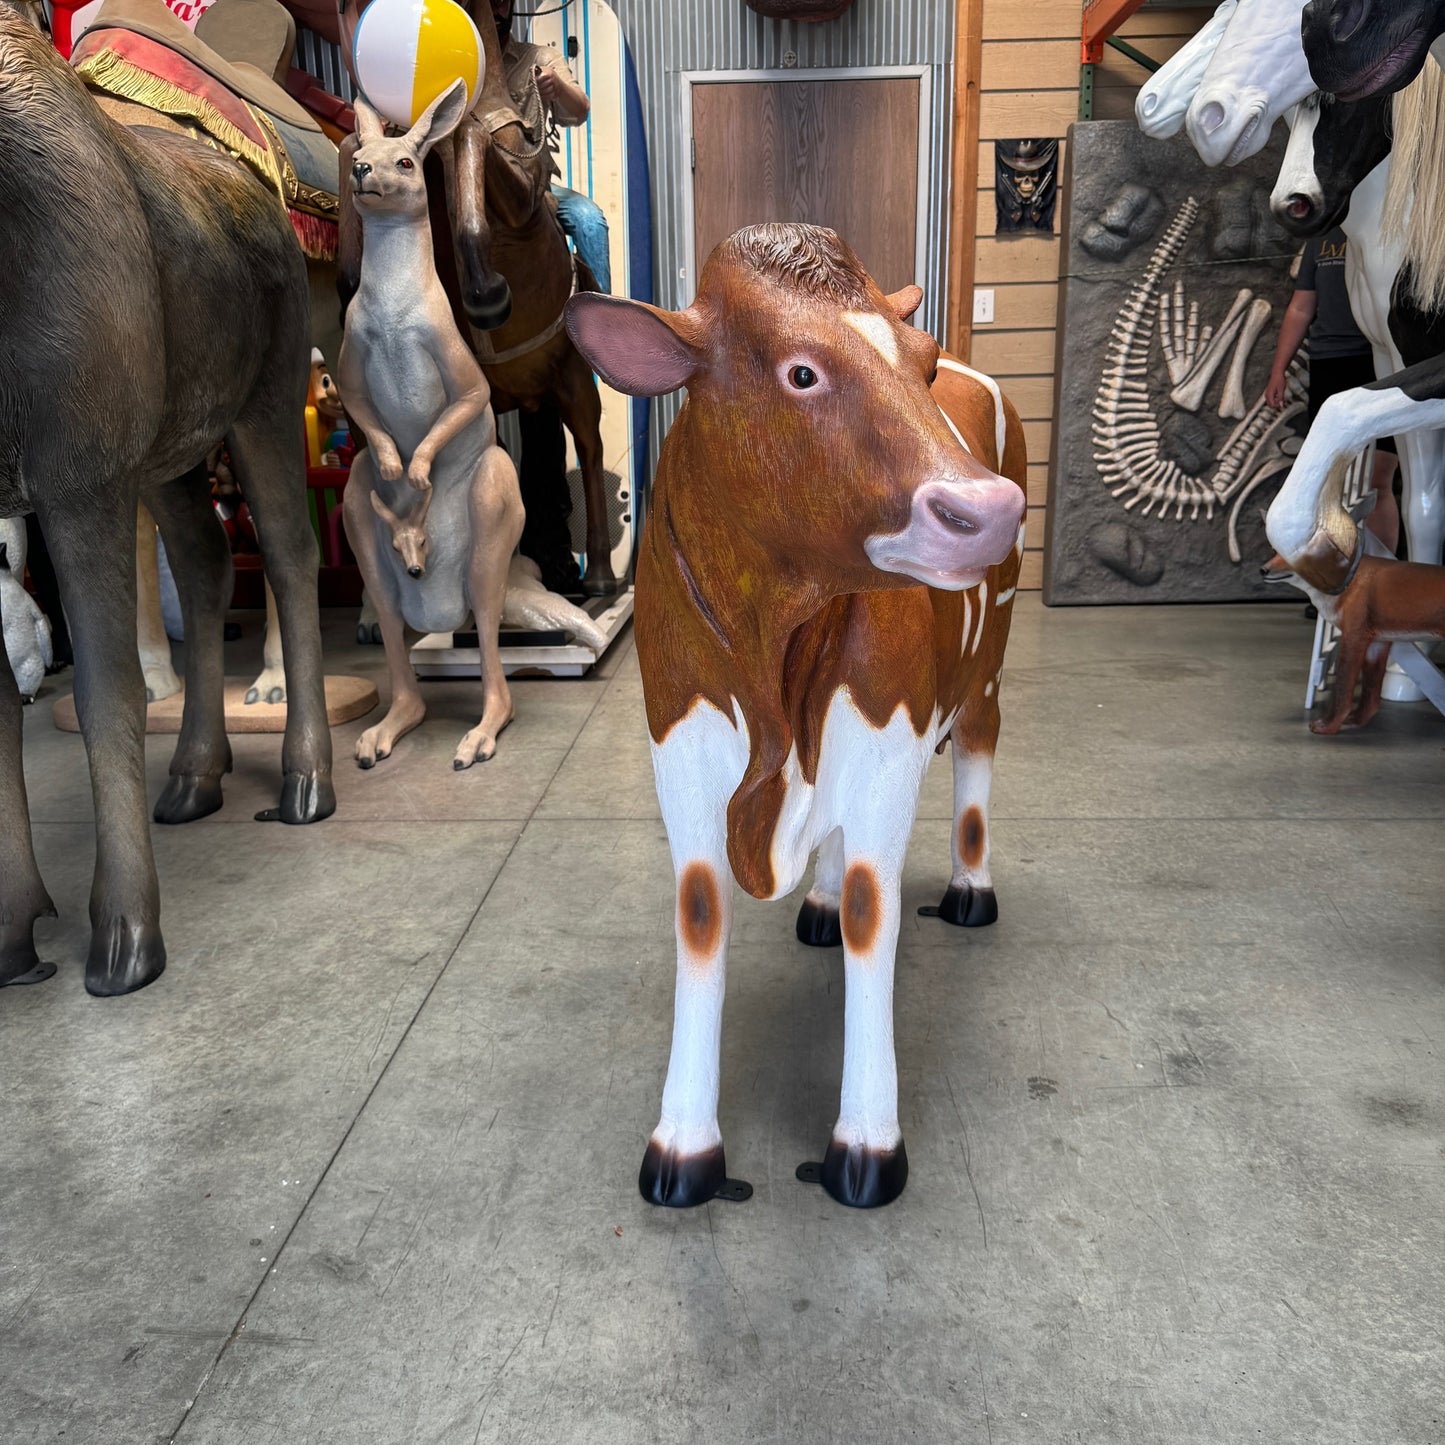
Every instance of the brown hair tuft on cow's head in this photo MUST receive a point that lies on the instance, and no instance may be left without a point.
(812, 258)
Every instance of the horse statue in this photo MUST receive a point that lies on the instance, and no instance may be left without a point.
(506, 267)
(156, 292)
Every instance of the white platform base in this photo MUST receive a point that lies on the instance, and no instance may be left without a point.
(436, 655)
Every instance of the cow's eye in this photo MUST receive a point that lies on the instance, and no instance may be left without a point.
(405, 163)
(802, 377)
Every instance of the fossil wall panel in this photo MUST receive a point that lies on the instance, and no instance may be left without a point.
(1175, 282)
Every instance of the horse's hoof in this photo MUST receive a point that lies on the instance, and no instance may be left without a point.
(376, 634)
(305, 798)
(966, 907)
(818, 925)
(186, 797)
(600, 584)
(682, 1181)
(860, 1177)
(363, 634)
(124, 957)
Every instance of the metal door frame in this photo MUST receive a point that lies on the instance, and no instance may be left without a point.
(923, 74)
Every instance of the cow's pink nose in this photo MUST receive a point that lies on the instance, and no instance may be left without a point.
(956, 531)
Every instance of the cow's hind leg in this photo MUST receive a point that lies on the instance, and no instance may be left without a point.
(94, 552)
(23, 898)
(196, 543)
(818, 924)
(268, 466)
(969, 900)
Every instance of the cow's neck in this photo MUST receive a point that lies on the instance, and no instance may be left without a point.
(717, 626)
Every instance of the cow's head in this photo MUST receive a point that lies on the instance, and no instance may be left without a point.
(809, 424)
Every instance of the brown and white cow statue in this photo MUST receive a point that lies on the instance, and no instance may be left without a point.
(797, 679)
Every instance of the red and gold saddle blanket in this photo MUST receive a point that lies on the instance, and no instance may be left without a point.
(133, 67)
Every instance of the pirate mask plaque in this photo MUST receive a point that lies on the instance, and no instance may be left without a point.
(1025, 184)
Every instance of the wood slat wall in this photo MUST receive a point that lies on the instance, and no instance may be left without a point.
(1031, 88)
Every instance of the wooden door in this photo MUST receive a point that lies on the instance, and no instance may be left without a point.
(839, 153)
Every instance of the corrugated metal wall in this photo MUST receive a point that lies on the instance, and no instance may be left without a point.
(670, 36)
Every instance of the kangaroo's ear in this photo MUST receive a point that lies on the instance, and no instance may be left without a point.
(369, 124)
(382, 510)
(635, 348)
(439, 119)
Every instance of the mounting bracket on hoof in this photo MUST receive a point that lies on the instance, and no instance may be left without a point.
(40, 973)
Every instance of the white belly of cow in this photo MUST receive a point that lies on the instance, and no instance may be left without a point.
(867, 783)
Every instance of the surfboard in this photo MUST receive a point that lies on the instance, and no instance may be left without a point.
(606, 158)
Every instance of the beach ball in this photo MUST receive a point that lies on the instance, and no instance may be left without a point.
(407, 52)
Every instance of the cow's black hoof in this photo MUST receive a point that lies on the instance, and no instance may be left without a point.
(967, 907)
(124, 957)
(682, 1181)
(305, 798)
(186, 797)
(818, 925)
(858, 1177)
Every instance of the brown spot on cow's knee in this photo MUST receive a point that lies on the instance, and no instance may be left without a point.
(862, 908)
(699, 909)
(972, 834)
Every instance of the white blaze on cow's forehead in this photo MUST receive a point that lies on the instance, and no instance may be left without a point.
(877, 331)
(1000, 421)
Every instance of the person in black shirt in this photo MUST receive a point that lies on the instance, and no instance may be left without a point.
(1340, 359)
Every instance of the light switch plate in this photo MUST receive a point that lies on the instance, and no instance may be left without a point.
(983, 306)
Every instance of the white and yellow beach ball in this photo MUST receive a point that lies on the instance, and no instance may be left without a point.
(407, 52)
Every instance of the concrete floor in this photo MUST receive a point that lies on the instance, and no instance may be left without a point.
(360, 1169)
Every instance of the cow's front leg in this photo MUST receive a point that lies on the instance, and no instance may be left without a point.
(684, 1163)
(866, 1164)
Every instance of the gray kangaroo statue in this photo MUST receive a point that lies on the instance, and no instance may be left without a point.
(432, 509)
(152, 299)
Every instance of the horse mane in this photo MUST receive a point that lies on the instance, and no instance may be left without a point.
(1414, 208)
(812, 258)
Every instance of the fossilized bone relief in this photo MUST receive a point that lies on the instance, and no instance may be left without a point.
(1126, 430)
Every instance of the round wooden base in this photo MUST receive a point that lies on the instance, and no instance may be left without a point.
(346, 698)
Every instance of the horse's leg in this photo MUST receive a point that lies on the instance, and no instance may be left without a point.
(47, 590)
(94, 551)
(268, 461)
(151, 640)
(817, 924)
(581, 408)
(197, 542)
(348, 228)
(486, 296)
(546, 536)
(495, 516)
(23, 898)
(270, 686)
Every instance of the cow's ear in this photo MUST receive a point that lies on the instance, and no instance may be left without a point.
(636, 349)
(905, 302)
